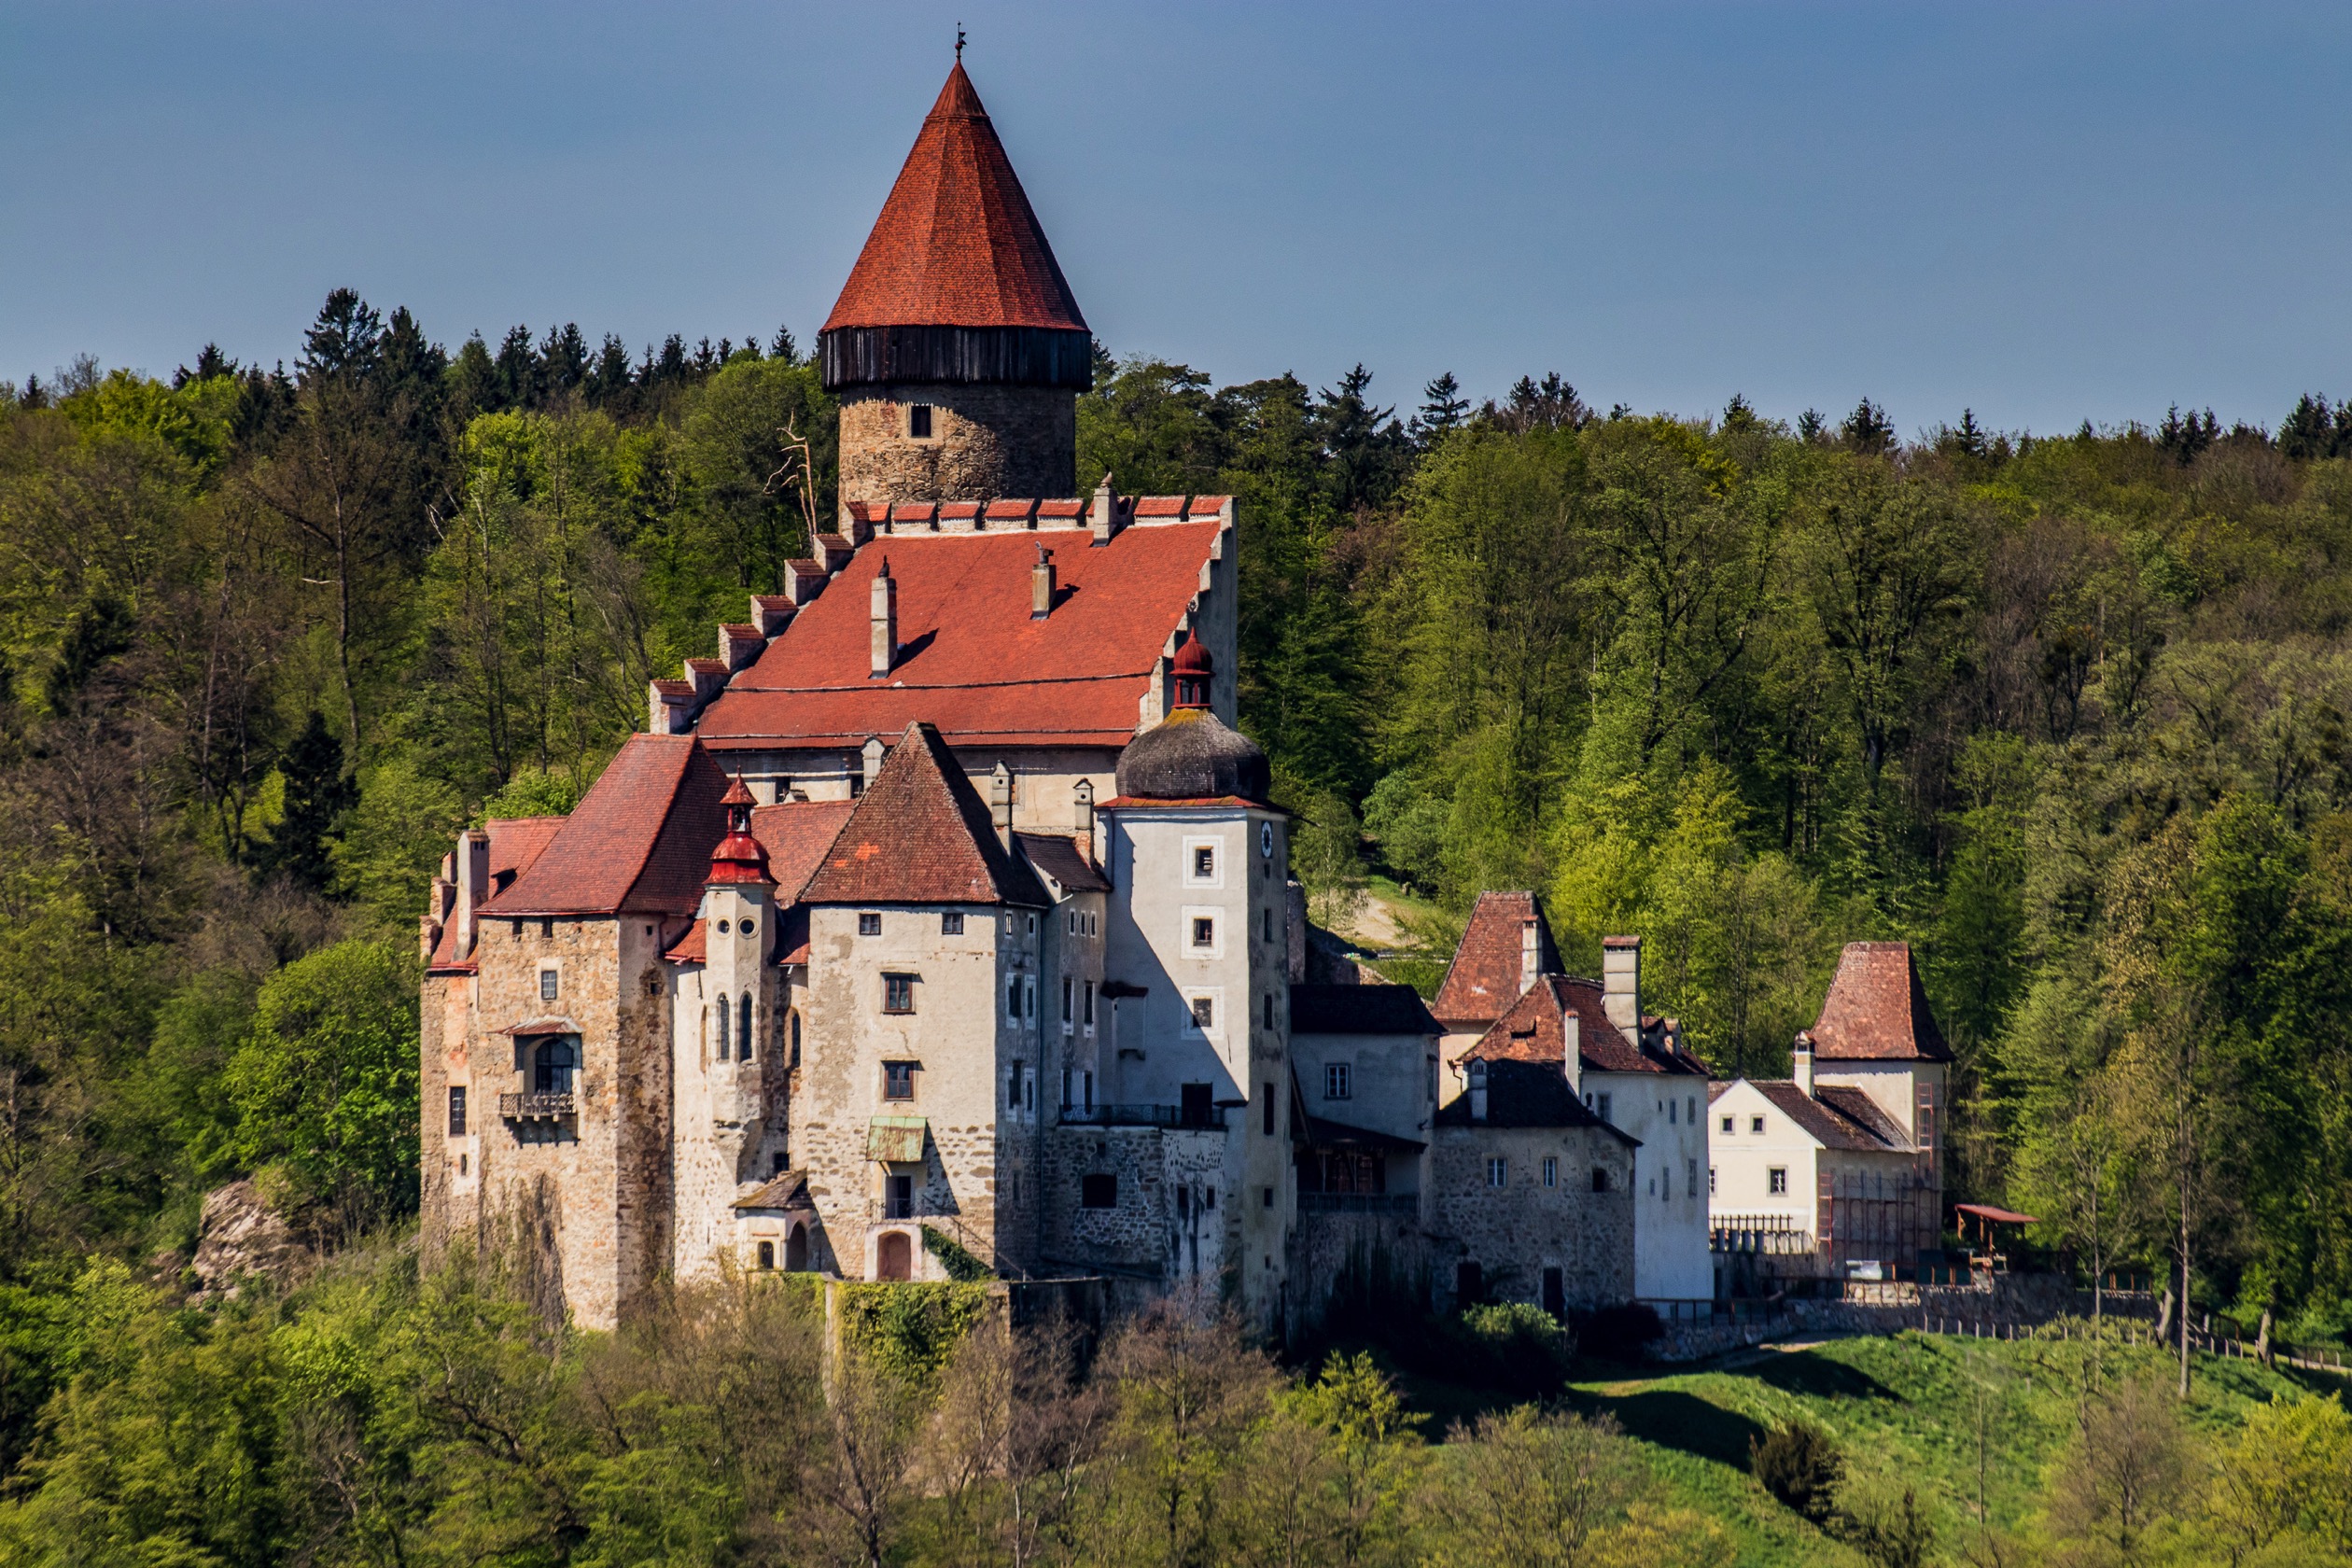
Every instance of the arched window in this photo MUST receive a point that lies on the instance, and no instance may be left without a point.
(893, 1257)
(722, 1026)
(743, 1035)
(767, 1255)
(552, 1069)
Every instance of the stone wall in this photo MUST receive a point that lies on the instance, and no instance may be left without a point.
(1517, 1230)
(986, 441)
(1360, 1261)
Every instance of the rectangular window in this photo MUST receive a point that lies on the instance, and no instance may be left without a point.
(1204, 1013)
(1028, 998)
(1551, 1171)
(1756, 1125)
(1266, 1198)
(1727, 1125)
(1269, 1110)
(1204, 931)
(456, 1110)
(898, 1080)
(1711, 1181)
(1604, 1109)
(1694, 1177)
(548, 984)
(870, 924)
(898, 993)
(1068, 1016)
(1269, 1010)
(951, 923)
(1204, 861)
(1690, 1110)
(1777, 1179)
(1089, 1079)
(1669, 1113)
(919, 421)
(1090, 1005)
(1012, 999)
(1494, 1172)
(899, 1199)
(1013, 1089)
(1338, 1081)
(1098, 1192)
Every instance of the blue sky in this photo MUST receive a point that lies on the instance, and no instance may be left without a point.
(2044, 213)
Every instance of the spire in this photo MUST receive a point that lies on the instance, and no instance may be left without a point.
(957, 244)
(740, 859)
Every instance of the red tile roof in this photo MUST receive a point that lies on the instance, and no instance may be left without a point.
(1833, 1123)
(796, 835)
(515, 842)
(1483, 980)
(1535, 1030)
(922, 835)
(1066, 858)
(639, 840)
(974, 662)
(957, 244)
(693, 947)
(1877, 1010)
(1160, 505)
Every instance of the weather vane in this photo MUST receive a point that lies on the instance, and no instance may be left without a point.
(959, 43)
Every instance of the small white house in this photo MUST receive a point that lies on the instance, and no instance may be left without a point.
(1836, 1171)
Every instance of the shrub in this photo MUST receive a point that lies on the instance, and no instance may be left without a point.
(1507, 1345)
(1620, 1332)
(1798, 1465)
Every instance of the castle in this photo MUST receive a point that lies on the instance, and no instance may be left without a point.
(942, 923)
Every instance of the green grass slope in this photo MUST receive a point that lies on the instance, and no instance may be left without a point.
(1925, 1412)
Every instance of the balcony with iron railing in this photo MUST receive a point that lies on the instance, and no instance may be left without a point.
(1402, 1205)
(1205, 1118)
(537, 1106)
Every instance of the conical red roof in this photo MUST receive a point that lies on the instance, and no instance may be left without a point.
(957, 245)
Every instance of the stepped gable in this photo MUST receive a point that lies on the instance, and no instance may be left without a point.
(1483, 980)
(1877, 1010)
(973, 659)
(641, 840)
(957, 244)
(922, 835)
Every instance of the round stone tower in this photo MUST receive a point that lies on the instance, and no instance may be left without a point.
(956, 348)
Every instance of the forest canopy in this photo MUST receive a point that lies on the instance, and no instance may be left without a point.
(2068, 713)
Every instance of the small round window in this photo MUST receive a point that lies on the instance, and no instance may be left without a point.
(746, 928)
(722, 927)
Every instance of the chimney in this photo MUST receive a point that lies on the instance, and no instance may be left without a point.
(1000, 804)
(1477, 1090)
(885, 618)
(1621, 984)
(1530, 955)
(1572, 1054)
(872, 762)
(1104, 518)
(1042, 586)
(1081, 798)
(1800, 1063)
(473, 886)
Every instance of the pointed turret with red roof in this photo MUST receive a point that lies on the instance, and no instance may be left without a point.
(956, 289)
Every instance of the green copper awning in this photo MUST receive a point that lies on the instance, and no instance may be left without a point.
(895, 1139)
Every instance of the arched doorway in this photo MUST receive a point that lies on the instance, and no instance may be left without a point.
(893, 1258)
(796, 1250)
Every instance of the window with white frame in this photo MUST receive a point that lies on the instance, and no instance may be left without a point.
(1551, 1171)
(1495, 1171)
(1756, 1125)
(1338, 1081)
(1776, 1179)
(1204, 864)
